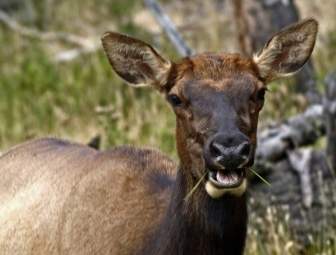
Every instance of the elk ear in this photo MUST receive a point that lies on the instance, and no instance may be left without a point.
(135, 61)
(287, 51)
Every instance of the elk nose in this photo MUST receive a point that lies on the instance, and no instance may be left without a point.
(229, 155)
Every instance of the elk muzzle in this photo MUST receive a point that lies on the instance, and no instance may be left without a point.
(226, 157)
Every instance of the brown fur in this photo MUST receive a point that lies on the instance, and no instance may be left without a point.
(60, 198)
(63, 198)
(227, 74)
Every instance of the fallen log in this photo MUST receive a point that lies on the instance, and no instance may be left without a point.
(300, 130)
(303, 184)
(330, 118)
(302, 197)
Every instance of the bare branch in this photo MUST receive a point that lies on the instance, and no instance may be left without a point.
(69, 55)
(300, 161)
(169, 28)
(47, 36)
(85, 45)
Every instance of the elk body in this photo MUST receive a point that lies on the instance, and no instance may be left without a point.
(63, 198)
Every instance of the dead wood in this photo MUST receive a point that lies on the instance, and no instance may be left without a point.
(169, 28)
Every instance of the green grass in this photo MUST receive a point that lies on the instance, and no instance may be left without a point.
(83, 98)
(39, 97)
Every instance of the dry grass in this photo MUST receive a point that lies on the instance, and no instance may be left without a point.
(82, 98)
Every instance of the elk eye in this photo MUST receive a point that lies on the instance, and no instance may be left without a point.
(174, 100)
(261, 94)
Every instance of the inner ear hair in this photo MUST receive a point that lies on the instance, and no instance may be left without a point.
(135, 61)
(287, 51)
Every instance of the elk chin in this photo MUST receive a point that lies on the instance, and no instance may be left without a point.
(229, 182)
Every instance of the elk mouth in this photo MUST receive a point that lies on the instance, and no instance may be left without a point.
(227, 179)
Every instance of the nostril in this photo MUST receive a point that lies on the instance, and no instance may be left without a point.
(216, 149)
(244, 149)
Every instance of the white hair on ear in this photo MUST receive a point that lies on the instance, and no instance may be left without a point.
(136, 61)
(287, 51)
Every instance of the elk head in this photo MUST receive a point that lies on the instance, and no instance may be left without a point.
(216, 99)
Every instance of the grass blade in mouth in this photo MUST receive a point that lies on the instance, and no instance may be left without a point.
(260, 177)
(195, 187)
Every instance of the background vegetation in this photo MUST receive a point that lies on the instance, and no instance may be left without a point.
(81, 98)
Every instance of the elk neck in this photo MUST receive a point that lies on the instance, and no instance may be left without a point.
(200, 225)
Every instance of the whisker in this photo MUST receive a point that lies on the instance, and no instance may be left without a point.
(260, 177)
(195, 187)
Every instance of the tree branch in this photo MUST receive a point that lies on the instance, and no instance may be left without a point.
(169, 28)
(47, 36)
(85, 45)
(69, 55)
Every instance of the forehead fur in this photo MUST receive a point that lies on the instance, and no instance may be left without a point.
(210, 66)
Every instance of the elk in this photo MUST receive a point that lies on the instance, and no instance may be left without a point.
(59, 197)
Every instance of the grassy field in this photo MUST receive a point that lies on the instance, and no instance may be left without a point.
(82, 98)
(75, 100)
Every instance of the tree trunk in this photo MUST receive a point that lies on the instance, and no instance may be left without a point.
(330, 115)
(258, 20)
